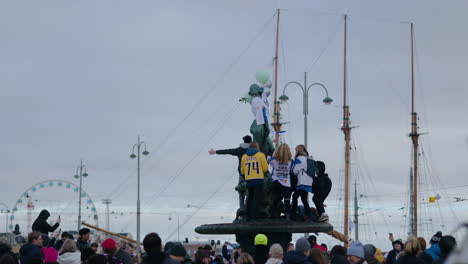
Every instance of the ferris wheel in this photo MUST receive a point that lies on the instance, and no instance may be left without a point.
(60, 198)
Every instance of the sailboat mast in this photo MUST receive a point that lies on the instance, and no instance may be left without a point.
(347, 133)
(356, 213)
(276, 107)
(415, 139)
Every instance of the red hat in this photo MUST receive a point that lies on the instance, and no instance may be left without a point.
(109, 244)
(51, 255)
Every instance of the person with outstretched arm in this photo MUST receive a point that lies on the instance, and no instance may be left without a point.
(238, 152)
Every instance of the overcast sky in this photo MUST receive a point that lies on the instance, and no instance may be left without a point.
(81, 79)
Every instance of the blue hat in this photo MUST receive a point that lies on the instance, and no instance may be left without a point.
(356, 249)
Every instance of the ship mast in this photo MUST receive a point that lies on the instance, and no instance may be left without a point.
(347, 134)
(276, 103)
(415, 139)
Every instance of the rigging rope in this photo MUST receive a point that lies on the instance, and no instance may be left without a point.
(116, 191)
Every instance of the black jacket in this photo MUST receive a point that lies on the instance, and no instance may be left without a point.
(30, 252)
(239, 152)
(322, 184)
(124, 256)
(409, 259)
(5, 249)
(426, 258)
(391, 258)
(80, 244)
(41, 225)
(260, 254)
(339, 259)
(161, 258)
(296, 257)
(371, 260)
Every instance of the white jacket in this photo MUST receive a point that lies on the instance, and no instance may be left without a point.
(259, 110)
(280, 172)
(299, 168)
(70, 258)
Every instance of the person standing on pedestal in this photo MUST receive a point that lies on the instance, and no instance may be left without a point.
(253, 167)
(281, 186)
(238, 152)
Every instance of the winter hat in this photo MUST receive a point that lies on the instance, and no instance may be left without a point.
(302, 245)
(168, 246)
(261, 239)
(247, 139)
(398, 241)
(369, 250)
(51, 255)
(436, 238)
(356, 249)
(178, 250)
(109, 244)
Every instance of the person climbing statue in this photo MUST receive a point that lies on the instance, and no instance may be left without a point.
(303, 187)
(253, 167)
(260, 128)
(238, 152)
(281, 185)
(321, 187)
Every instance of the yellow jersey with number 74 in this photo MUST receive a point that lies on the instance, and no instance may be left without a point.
(254, 167)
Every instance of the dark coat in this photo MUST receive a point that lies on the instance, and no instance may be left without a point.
(80, 244)
(391, 258)
(338, 259)
(238, 152)
(41, 225)
(426, 258)
(372, 260)
(161, 258)
(124, 256)
(296, 257)
(322, 184)
(30, 252)
(409, 259)
(5, 249)
(260, 254)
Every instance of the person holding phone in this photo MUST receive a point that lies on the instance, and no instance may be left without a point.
(41, 225)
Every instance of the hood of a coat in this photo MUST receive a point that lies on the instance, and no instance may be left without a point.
(44, 214)
(70, 258)
(295, 257)
(251, 151)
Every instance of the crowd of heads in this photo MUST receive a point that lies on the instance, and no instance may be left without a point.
(42, 249)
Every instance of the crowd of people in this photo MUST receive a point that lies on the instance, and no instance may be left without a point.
(64, 249)
(290, 177)
(308, 251)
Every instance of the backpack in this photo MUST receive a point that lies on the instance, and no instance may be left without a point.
(311, 168)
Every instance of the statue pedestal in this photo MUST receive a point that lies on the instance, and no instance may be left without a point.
(278, 231)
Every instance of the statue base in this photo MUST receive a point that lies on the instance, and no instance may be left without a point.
(278, 231)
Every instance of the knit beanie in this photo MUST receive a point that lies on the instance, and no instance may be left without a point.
(168, 246)
(369, 250)
(109, 244)
(302, 245)
(356, 249)
(51, 255)
(261, 239)
(436, 238)
(178, 250)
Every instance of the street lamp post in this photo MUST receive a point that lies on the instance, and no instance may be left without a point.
(305, 99)
(80, 173)
(145, 152)
(7, 211)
